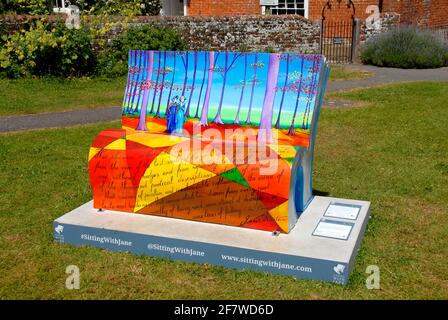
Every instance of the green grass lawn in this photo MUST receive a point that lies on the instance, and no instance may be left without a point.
(27, 96)
(391, 152)
(340, 72)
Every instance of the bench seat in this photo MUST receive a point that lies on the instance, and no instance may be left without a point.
(242, 152)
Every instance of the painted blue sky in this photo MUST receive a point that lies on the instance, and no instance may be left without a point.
(256, 66)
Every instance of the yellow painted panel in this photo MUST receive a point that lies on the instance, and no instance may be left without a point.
(119, 144)
(165, 176)
(155, 140)
(93, 152)
(283, 150)
(280, 215)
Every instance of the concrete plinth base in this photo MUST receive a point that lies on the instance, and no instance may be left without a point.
(322, 245)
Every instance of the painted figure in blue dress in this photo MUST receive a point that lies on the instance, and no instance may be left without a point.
(180, 115)
(171, 115)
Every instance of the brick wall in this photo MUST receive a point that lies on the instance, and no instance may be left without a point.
(439, 13)
(420, 12)
(339, 11)
(223, 7)
(252, 7)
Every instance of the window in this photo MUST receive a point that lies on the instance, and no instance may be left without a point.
(173, 8)
(289, 7)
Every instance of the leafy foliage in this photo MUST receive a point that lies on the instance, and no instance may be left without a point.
(25, 6)
(2, 31)
(114, 60)
(405, 47)
(105, 17)
(118, 7)
(112, 7)
(46, 50)
(151, 7)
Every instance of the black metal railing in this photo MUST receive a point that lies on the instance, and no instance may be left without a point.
(337, 40)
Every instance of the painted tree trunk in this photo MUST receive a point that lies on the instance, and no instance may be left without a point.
(187, 112)
(128, 84)
(172, 80)
(217, 118)
(162, 85)
(211, 66)
(253, 88)
(291, 128)
(310, 94)
(307, 106)
(142, 67)
(277, 123)
(202, 85)
(133, 81)
(186, 73)
(237, 117)
(269, 96)
(227, 68)
(138, 61)
(156, 84)
(148, 68)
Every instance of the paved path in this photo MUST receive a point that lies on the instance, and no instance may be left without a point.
(59, 119)
(388, 75)
(70, 118)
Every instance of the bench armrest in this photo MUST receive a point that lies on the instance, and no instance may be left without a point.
(301, 188)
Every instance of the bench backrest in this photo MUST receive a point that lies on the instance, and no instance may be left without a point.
(233, 88)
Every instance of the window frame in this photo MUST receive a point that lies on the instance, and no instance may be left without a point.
(282, 5)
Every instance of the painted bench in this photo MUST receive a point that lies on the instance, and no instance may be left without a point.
(218, 137)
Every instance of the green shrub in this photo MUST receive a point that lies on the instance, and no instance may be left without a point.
(405, 47)
(46, 50)
(110, 7)
(151, 7)
(119, 7)
(26, 6)
(3, 30)
(115, 7)
(113, 61)
(84, 5)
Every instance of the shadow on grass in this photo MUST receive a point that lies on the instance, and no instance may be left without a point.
(320, 193)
